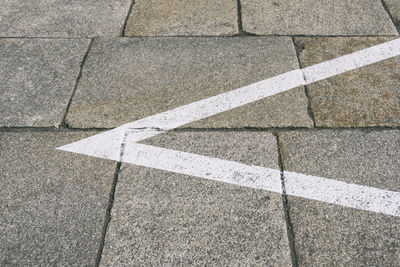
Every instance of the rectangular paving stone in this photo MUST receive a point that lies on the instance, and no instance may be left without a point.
(163, 218)
(316, 17)
(37, 78)
(54, 18)
(367, 96)
(394, 9)
(331, 235)
(53, 203)
(183, 17)
(126, 79)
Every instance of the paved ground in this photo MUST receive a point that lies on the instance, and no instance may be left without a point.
(68, 72)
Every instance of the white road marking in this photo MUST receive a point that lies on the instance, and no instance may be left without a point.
(171, 119)
(342, 193)
(203, 167)
(111, 144)
(352, 61)
(296, 184)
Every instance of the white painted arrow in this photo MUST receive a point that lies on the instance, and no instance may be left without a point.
(120, 144)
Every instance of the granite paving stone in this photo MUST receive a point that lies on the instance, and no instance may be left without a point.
(126, 79)
(394, 9)
(367, 96)
(53, 203)
(163, 218)
(56, 18)
(183, 17)
(316, 17)
(331, 235)
(37, 78)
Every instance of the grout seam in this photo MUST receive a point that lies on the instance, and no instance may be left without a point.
(386, 8)
(298, 49)
(309, 109)
(107, 217)
(51, 129)
(239, 11)
(243, 34)
(244, 129)
(286, 208)
(64, 122)
(127, 18)
(240, 22)
(47, 37)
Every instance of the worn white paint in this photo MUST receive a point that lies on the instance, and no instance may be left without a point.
(202, 166)
(120, 143)
(171, 119)
(342, 193)
(296, 184)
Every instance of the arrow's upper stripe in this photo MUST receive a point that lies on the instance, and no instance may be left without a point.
(107, 145)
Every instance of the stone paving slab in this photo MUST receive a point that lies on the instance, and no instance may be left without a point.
(394, 9)
(183, 17)
(126, 79)
(162, 218)
(53, 203)
(316, 17)
(327, 234)
(37, 78)
(53, 18)
(368, 96)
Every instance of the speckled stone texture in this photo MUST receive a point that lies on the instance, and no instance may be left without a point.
(394, 9)
(316, 17)
(130, 78)
(37, 78)
(367, 96)
(52, 202)
(327, 234)
(183, 17)
(163, 218)
(57, 18)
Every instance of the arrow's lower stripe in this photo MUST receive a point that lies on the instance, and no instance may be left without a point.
(342, 193)
(296, 184)
(203, 167)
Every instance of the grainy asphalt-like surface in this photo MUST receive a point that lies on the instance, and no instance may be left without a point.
(72, 69)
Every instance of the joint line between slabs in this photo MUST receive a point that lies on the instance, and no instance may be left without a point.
(285, 204)
(386, 8)
(64, 119)
(306, 92)
(107, 217)
(127, 18)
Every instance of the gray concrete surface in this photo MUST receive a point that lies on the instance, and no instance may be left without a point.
(183, 17)
(53, 203)
(327, 234)
(131, 78)
(368, 96)
(55, 18)
(161, 218)
(37, 78)
(316, 17)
